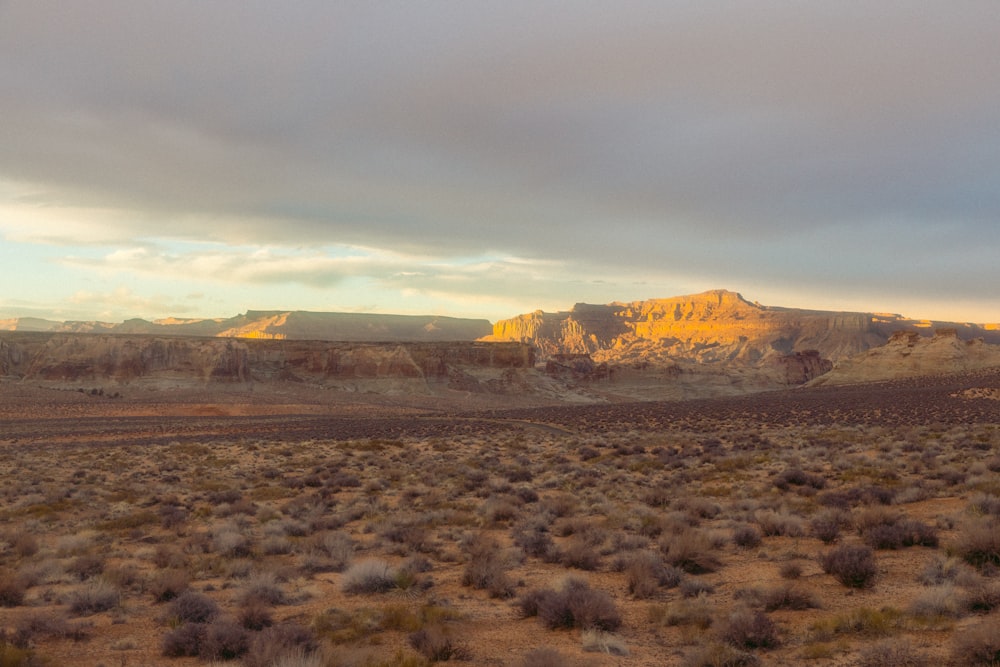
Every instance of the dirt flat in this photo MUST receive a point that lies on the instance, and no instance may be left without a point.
(685, 521)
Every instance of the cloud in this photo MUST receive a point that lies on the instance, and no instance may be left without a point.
(255, 266)
(109, 305)
(835, 146)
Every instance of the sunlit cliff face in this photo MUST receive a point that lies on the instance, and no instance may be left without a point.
(714, 326)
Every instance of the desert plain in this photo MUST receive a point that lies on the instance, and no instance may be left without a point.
(844, 525)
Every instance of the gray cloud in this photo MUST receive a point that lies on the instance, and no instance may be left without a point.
(841, 147)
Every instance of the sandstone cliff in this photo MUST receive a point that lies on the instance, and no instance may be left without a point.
(908, 354)
(713, 327)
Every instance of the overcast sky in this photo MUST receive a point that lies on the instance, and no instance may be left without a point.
(486, 158)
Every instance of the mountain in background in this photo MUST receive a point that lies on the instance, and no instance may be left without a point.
(715, 326)
(281, 325)
(711, 344)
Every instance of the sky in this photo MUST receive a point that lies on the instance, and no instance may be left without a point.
(490, 158)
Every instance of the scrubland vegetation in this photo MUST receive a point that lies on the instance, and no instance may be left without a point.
(739, 542)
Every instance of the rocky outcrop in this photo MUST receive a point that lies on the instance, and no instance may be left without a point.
(801, 367)
(125, 359)
(709, 328)
(120, 358)
(576, 367)
(908, 354)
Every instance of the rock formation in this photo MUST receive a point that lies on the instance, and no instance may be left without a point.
(908, 354)
(712, 327)
(711, 344)
(288, 325)
(122, 359)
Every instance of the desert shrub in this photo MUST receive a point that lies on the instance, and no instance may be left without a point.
(371, 575)
(982, 504)
(519, 474)
(826, 526)
(583, 529)
(345, 480)
(579, 554)
(978, 645)
(798, 477)
(95, 596)
(840, 500)
(697, 507)
(228, 541)
(255, 615)
(542, 657)
(12, 589)
(780, 523)
(697, 612)
(276, 545)
(790, 570)
(436, 645)
(941, 600)
(193, 607)
(287, 644)
(978, 542)
(941, 570)
(224, 639)
(29, 629)
(526, 494)
(172, 515)
(291, 527)
(263, 587)
(129, 521)
(900, 533)
(167, 584)
(487, 568)
(746, 536)
(691, 551)
(788, 596)
(595, 641)
(166, 556)
(86, 566)
(498, 510)
(875, 494)
(863, 621)
(24, 544)
(125, 576)
(239, 568)
(328, 551)
(340, 626)
(529, 602)
(184, 640)
(574, 605)
(982, 597)
(750, 629)
(645, 573)
(694, 587)
(891, 653)
(533, 536)
(716, 654)
(224, 496)
(853, 566)
(624, 541)
(560, 505)
(417, 564)
(410, 533)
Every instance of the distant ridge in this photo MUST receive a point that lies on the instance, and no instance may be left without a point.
(279, 325)
(713, 327)
(716, 343)
(718, 325)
